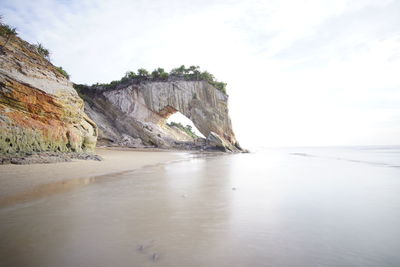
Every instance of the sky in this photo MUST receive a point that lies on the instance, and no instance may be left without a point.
(299, 72)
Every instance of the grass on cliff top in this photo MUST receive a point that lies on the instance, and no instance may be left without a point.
(192, 73)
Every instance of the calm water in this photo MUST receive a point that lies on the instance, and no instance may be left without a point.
(283, 207)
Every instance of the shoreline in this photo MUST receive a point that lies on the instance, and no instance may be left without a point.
(19, 183)
(48, 157)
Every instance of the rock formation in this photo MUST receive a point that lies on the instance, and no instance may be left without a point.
(135, 114)
(39, 108)
(40, 111)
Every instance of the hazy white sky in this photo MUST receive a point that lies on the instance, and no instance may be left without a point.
(299, 72)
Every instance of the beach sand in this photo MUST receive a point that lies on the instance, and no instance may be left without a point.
(26, 182)
(278, 207)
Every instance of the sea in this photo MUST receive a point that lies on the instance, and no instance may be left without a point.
(303, 206)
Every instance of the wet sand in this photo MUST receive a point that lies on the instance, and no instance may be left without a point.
(273, 208)
(25, 182)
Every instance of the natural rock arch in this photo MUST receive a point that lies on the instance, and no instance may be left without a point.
(204, 105)
(178, 117)
(140, 110)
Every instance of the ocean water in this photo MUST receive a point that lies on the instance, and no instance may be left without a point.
(275, 207)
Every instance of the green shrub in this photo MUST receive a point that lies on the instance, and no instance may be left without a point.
(80, 88)
(192, 73)
(143, 73)
(7, 31)
(44, 52)
(159, 73)
(63, 72)
(130, 75)
(164, 76)
(187, 129)
(178, 71)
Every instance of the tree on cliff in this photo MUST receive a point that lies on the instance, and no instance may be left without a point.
(130, 75)
(159, 73)
(192, 73)
(179, 71)
(195, 71)
(143, 73)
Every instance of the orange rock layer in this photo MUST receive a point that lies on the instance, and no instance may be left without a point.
(39, 109)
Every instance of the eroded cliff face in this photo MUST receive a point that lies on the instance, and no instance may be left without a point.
(135, 114)
(39, 108)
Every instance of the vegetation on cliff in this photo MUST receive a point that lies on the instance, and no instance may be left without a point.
(63, 72)
(192, 73)
(7, 31)
(39, 110)
(187, 129)
(44, 52)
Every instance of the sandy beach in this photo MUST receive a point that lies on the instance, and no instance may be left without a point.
(322, 206)
(26, 182)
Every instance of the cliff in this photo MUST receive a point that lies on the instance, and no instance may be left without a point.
(40, 111)
(135, 113)
(39, 108)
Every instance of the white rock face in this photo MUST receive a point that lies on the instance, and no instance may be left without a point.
(141, 110)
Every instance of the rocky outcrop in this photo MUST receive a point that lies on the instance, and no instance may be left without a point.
(135, 113)
(39, 108)
(214, 140)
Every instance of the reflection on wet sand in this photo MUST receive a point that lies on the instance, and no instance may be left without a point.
(45, 190)
(139, 217)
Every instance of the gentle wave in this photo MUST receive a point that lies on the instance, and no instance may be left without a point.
(375, 163)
